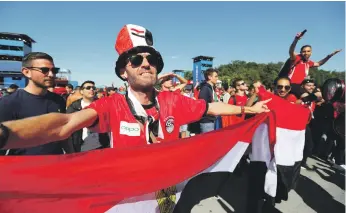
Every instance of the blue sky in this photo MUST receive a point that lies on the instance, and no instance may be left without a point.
(81, 35)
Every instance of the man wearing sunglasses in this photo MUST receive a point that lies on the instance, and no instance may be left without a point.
(142, 116)
(283, 88)
(83, 139)
(34, 100)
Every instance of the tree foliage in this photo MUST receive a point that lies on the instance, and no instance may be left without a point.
(251, 71)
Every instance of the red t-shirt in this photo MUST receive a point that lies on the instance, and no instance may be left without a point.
(115, 116)
(291, 98)
(301, 69)
(240, 100)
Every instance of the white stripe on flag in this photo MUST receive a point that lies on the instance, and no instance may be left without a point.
(148, 204)
(288, 150)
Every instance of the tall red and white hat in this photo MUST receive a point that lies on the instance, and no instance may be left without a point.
(133, 39)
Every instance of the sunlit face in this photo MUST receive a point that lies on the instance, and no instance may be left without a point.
(242, 86)
(283, 87)
(37, 77)
(88, 90)
(213, 78)
(100, 95)
(306, 52)
(168, 82)
(142, 77)
(309, 87)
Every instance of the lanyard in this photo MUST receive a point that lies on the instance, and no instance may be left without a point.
(153, 125)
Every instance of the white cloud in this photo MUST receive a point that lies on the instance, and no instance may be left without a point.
(174, 57)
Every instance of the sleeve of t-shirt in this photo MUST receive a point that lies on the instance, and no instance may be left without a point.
(231, 101)
(311, 63)
(204, 94)
(6, 109)
(102, 107)
(191, 110)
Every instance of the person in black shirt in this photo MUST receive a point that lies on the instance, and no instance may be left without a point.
(35, 100)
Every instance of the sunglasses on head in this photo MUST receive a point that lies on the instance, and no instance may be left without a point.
(45, 70)
(137, 60)
(90, 87)
(280, 87)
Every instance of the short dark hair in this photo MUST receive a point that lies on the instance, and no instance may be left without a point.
(13, 86)
(209, 72)
(28, 58)
(69, 86)
(307, 45)
(86, 82)
(279, 78)
(235, 81)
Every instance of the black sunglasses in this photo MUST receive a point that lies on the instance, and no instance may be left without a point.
(280, 87)
(45, 70)
(242, 84)
(89, 87)
(137, 60)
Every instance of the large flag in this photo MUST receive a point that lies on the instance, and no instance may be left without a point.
(139, 179)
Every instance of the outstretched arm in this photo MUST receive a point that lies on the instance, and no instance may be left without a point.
(323, 61)
(220, 108)
(46, 128)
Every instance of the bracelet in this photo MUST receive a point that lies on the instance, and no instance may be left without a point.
(4, 135)
(242, 109)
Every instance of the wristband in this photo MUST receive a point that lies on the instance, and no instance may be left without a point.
(242, 109)
(4, 135)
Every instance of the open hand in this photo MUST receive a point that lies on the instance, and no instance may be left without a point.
(261, 106)
(336, 51)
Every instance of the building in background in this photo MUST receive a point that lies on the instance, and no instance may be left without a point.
(180, 73)
(200, 64)
(13, 47)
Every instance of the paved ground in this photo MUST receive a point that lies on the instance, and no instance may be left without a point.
(321, 190)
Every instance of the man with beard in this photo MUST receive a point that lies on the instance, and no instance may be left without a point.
(309, 98)
(283, 88)
(301, 63)
(142, 116)
(34, 100)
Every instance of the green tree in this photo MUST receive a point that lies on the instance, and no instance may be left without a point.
(188, 75)
(251, 71)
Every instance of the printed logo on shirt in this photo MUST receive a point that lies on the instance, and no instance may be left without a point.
(169, 124)
(130, 129)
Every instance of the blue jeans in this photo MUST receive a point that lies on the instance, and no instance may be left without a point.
(207, 127)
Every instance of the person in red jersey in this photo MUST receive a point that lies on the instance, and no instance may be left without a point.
(301, 63)
(141, 116)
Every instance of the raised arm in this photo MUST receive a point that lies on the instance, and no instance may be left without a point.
(183, 82)
(44, 129)
(323, 61)
(294, 44)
